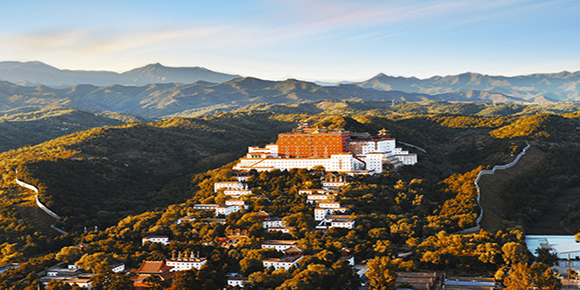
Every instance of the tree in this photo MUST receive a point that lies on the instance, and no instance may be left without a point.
(111, 281)
(300, 221)
(381, 274)
(57, 285)
(572, 274)
(543, 277)
(315, 276)
(514, 253)
(69, 255)
(344, 276)
(186, 280)
(518, 278)
(268, 279)
(383, 248)
(250, 265)
(9, 253)
(96, 263)
(538, 276)
(543, 255)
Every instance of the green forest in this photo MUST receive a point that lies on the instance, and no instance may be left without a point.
(115, 185)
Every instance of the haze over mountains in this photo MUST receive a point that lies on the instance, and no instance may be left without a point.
(156, 91)
(194, 99)
(561, 86)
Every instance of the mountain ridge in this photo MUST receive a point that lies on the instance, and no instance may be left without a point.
(560, 86)
(36, 72)
(193, 99)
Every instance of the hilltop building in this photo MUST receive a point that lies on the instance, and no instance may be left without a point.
(335, 150)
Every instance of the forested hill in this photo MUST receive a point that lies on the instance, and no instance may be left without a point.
(27, 126)
(142, 177)
(95, 177)
(194, 99)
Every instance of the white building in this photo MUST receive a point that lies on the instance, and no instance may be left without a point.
(209, 206)
(273, 222)
(284, 262)
(319, 213)
(312, 191)
(70, 275)
(327, 204)
(280, 229)
(365, 155)
(279, 245)
(156, 239)
(341, 162)
(237, 202)
(185, 263)
(342, 223)
(228, 185)
(336, 221)
(237, 281)
(116, 268)
(237, 192)
(226, 209)
(327, 208)
(314, 198)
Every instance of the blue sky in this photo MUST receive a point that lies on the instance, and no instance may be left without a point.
(308, 40)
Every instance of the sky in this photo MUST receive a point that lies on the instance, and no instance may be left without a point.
(306, 40)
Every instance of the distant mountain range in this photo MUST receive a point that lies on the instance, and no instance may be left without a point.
(156, 91)
(198, 98)
(38, 73)
(564, 86)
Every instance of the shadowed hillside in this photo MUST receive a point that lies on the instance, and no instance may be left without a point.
(33, 125)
